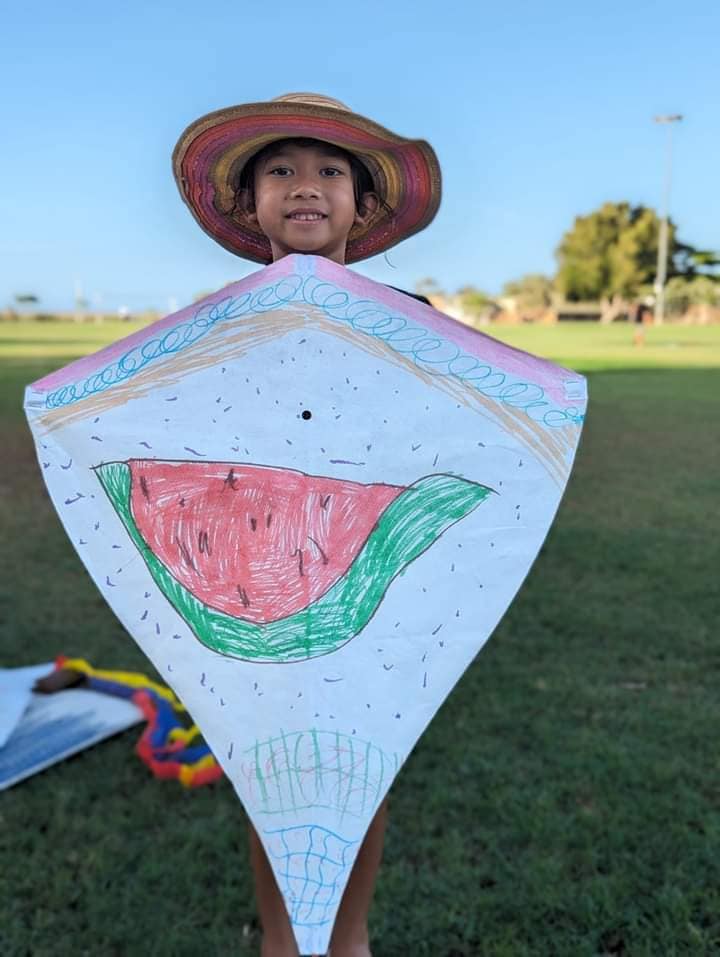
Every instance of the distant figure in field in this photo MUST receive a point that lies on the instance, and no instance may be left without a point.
(641, 315)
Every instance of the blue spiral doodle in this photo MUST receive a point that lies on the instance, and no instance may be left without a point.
(428, 351)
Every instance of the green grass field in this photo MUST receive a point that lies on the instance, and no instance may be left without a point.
(564, 803)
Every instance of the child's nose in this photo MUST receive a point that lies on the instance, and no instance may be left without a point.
(306, 189)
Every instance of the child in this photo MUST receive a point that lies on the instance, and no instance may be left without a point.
(302, 174)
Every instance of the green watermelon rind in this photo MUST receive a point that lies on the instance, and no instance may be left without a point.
(408, 526)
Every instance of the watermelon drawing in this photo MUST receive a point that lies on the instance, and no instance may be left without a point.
(274, 565)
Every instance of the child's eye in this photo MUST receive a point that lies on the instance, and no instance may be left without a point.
(280, 171)
(331, 171)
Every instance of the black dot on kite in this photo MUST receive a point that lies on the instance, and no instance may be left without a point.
(306, 414)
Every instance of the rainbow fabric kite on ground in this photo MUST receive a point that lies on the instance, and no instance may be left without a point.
(168, 746)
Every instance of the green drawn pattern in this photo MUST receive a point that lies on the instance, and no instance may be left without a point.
(316, 769)
(407, 528)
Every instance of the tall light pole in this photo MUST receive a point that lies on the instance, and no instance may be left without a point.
(661, 275)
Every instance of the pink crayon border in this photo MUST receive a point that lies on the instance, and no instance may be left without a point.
(523, 365)
(85, 366)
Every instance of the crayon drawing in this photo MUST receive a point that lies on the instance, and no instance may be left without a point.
(308, 469)
(295, 771)
(312, 863)
(272, 565)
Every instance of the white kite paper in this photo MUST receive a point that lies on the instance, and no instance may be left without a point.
(310, 499)
(16, 690)
(56, 726)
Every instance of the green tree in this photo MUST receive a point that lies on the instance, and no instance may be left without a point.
(476, 304)
(24, 305)
(610, 256)
(26, 299)
(700, 290)
(697, 262)
(533, 291)
(612, 253)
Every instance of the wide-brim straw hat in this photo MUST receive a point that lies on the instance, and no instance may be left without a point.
(210, 155)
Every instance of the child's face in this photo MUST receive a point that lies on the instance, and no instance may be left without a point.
(305, 201)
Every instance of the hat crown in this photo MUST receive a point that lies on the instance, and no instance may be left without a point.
(312, 99)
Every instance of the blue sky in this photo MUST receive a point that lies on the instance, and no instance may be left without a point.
(538, 111)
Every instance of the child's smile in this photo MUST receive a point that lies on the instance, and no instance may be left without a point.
(305, 201)
(306, 216)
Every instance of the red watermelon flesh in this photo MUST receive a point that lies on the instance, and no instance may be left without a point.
(254, 542)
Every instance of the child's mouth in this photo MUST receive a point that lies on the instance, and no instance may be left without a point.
(306, 217)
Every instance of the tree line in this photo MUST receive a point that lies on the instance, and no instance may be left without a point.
(608, 257)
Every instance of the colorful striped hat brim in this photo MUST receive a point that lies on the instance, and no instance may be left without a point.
(210, 155)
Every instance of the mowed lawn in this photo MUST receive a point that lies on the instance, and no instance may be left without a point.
(566, 799)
